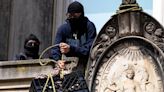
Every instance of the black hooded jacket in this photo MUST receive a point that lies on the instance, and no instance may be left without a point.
(66, 34)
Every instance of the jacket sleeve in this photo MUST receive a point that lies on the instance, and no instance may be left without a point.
(55, 52)
(85, 48)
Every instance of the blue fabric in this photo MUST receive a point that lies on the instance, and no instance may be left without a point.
(64, 33)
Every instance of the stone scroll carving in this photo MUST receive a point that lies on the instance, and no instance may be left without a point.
(154, 32)
(128, 1)
(109, 34)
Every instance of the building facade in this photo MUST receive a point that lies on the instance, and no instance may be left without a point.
(19, 18)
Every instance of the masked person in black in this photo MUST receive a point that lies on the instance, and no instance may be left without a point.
(74, 37)
(31, 48)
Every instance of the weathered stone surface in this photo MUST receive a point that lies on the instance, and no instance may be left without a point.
(30, 16)
(5, 13)
(17, 75)
(130, 55)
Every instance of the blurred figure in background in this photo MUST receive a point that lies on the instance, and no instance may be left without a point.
(31, 48)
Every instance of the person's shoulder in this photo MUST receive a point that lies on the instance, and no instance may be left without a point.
(20, 56)
(64, 26)
(89, 22)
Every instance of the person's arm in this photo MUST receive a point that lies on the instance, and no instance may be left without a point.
(85, 48)
(55, 52)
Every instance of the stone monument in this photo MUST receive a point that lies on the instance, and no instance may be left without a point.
(128, 53)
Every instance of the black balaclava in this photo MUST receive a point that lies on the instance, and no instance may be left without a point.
(32, 51)
(76, 7)
(77, 24)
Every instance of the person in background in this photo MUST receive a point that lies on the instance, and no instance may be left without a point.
(75, 37)
(31, 48)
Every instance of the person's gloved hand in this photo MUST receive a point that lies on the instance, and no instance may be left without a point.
(64, 48)
(61, 64)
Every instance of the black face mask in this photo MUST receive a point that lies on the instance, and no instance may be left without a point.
(73, 20)
(76, 23)
(32, 51)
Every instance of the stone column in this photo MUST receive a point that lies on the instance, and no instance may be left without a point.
(29, 16)
(5, 11)
(158, 10)
(60, 8)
